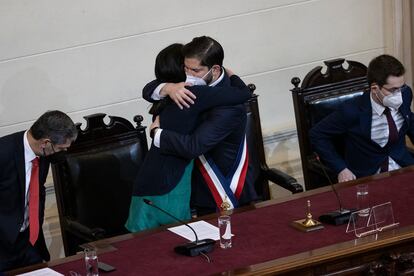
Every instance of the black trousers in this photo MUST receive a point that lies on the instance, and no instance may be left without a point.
(22, 254)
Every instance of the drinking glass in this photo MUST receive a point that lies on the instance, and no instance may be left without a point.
(362, 199)
(91, 262)
(224, 223)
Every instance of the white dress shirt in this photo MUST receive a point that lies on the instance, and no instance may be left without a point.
(29, 155)
(380, 131)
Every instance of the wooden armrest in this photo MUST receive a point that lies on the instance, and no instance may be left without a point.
(283, 180)
(84, 232)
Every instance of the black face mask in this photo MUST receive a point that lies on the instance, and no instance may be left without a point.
(57, 157)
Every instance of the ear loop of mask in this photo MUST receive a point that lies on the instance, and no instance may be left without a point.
(53, 149)
(376, 94)
(206, 74)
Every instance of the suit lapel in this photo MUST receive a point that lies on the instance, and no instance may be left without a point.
(404, 111)
(365, 117)
(20, 165)
(43, 169)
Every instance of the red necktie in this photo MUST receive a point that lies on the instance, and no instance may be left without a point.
(392, 136)
(34, 202)
(393, 132)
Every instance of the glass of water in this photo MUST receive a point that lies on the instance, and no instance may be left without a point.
(224, 224)
(91, 262)
(362, 199)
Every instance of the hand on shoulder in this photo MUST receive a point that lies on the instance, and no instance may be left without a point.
(179, 94)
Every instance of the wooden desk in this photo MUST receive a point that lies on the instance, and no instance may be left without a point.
(386, 253)
(327, 252)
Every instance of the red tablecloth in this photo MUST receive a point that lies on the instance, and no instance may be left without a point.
(260, 235)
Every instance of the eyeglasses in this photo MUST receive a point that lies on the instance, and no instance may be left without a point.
(394, 89)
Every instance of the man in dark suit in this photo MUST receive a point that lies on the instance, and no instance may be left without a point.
(219, 137)
(373, 126)
(23, 170)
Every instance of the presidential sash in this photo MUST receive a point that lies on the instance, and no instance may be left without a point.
(226, 190)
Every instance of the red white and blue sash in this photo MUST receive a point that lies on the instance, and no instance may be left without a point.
(230, 186)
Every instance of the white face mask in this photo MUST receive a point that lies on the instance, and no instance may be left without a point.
(196, 80)
(394, 100)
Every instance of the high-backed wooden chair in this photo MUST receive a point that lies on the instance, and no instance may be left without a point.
(319, 95)
(93, 179)
(260, 172)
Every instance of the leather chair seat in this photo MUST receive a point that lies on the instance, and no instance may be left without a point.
(94, 180)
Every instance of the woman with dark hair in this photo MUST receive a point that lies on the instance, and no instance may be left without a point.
(166, 179)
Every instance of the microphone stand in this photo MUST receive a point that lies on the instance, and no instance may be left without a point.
(194, 248)
(337, 217)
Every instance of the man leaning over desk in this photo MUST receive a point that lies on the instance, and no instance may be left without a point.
(372, 126)
(23, 170)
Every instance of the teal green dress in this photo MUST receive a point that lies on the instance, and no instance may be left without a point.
(177, 202)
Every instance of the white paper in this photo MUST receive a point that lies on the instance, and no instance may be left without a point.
(42, 272)
(203, 229)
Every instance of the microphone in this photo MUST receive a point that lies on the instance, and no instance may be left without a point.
(194, 248)
(337, 217)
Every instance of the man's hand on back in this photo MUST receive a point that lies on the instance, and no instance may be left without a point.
(179, 94)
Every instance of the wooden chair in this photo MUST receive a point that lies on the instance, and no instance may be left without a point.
(259, 170)
(93, 179)
(319, 95)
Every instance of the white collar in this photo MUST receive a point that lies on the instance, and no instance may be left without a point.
(29, 154)
(219, 79)
(378, 108)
